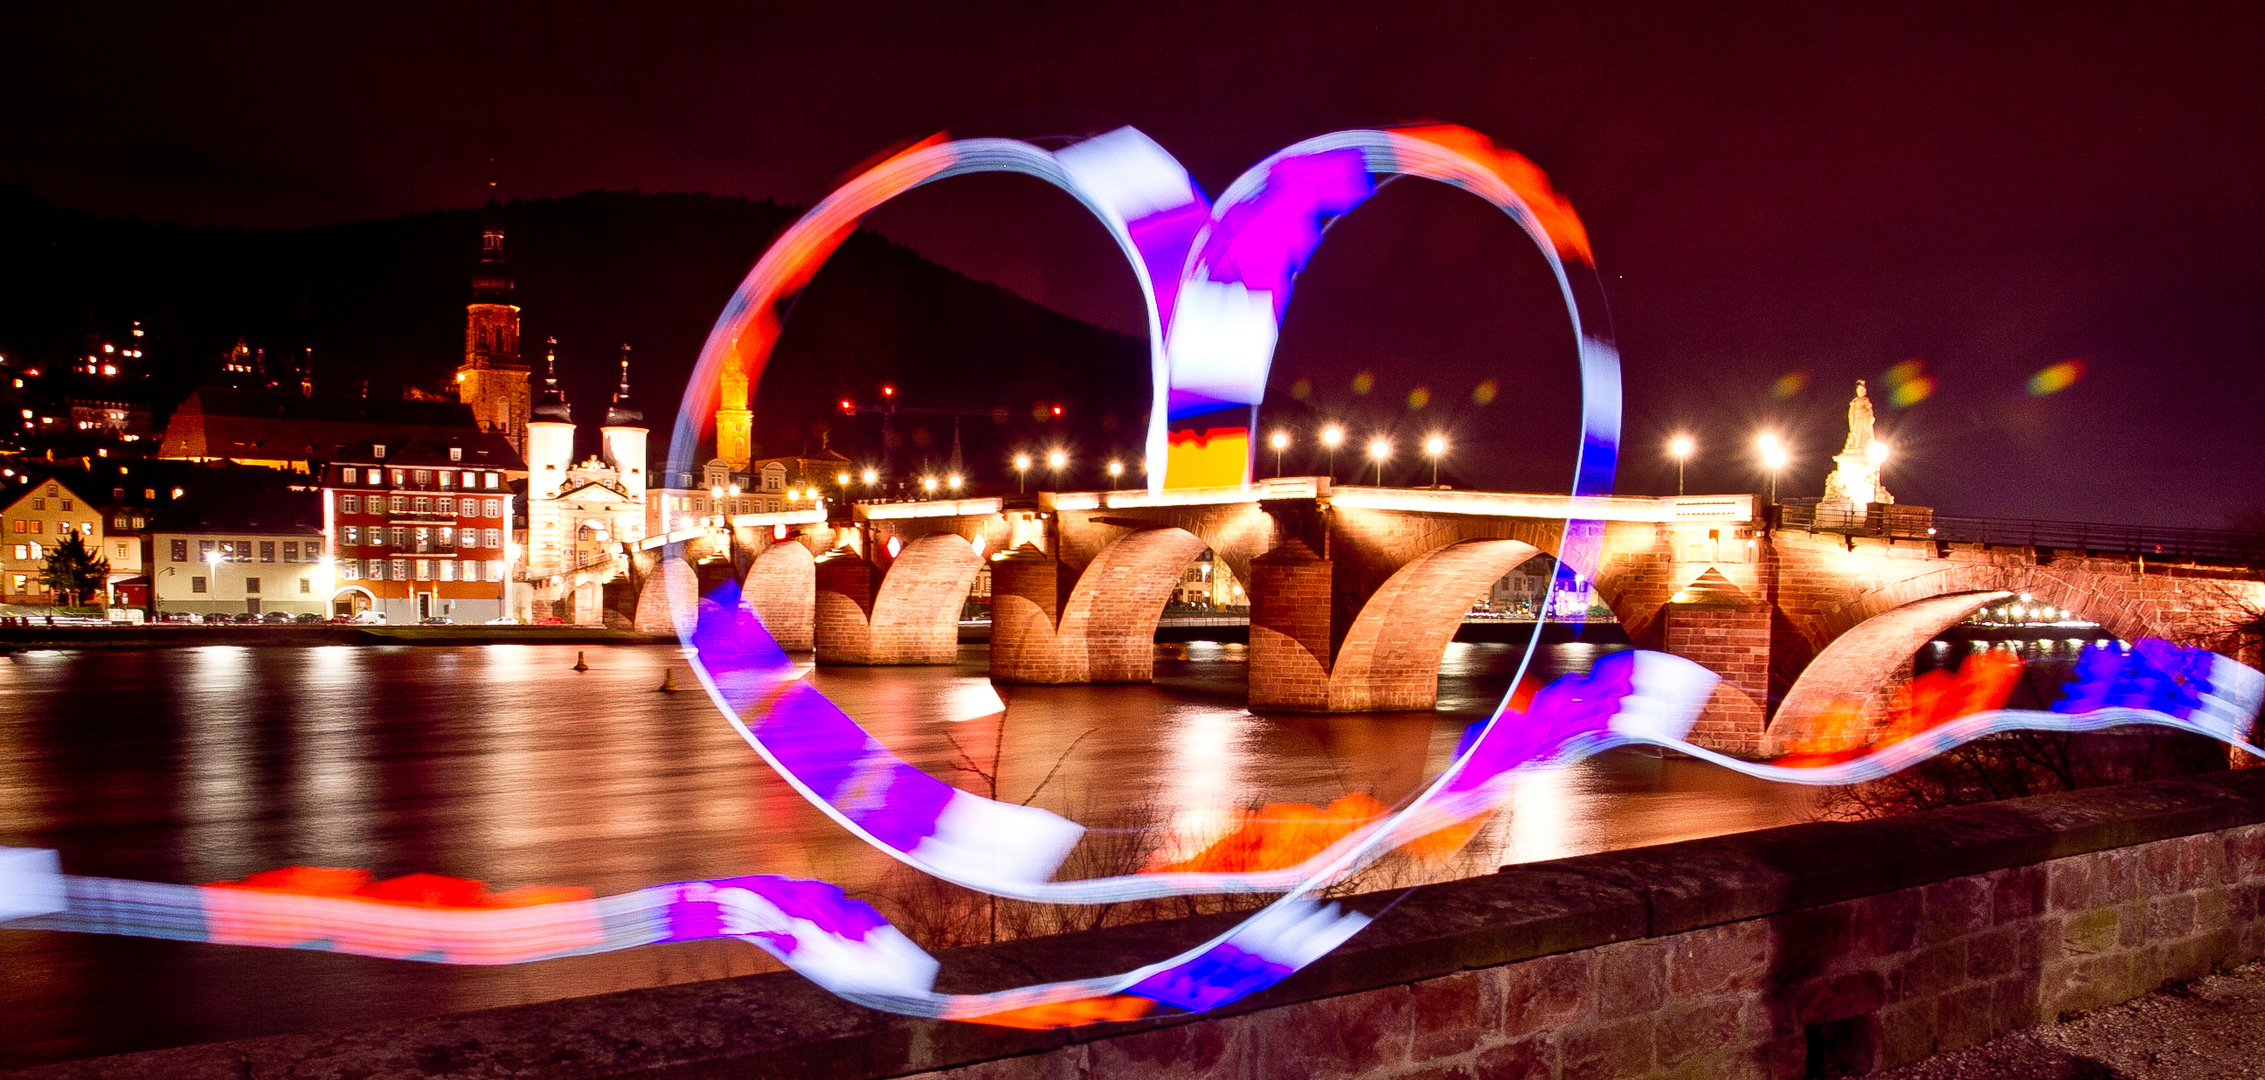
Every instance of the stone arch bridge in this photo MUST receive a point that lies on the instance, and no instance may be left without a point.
(1356, 591)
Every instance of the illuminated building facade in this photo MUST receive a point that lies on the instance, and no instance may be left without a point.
(44, 513)
(239, 551)
(422, 529)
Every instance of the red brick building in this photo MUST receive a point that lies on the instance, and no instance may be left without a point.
(422, 528)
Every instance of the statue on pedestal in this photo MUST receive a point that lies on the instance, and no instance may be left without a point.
(1855, 480)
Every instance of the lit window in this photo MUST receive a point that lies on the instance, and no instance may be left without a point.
(353, 534)
(22, 553)
(138, 523)
(118, 523)
(267, 551)
(448, 570)
(290, 551)
(491, 480)
(121, 549)
(204, 550)
(455, 453)
(424, 570)
(400, 569)
(180, 551)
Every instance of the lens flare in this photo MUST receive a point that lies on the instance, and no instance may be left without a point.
(1908, 383)
(1363, 382)
(2056, 377)
(1483, 393)
(1418, 398)
(1789, 384)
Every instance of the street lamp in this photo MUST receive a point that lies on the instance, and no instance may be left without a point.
(1773, 457)
(1116, 472)
(1055, 460)
(1331, 436)
(1022, 472)
(929, 484)
(1379, 449)
(1681, 447)
(1281, 441)
(953, 481)
(1435, 446)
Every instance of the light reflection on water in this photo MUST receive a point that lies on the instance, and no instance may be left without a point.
(501, 763)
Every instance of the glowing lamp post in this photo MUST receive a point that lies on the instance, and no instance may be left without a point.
(1434, 447)
(841, 480)
(1054, 462)
(953, 481)
(1116, 473)
(1773, 458)
(1680, 448)
(1378, 450)
(1331, 437)
(1022, 473)
(1280, 441)
(928, 483)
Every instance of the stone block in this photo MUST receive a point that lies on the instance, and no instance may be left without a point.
(1954, 908)
(1728, 959)
(1964, 1018)
(1338, 1036)
(1907, 1032)
(1934, 970)
(1839, 998)
(1886, 925)
(2170, 917)
(1200, 1051)
(2069, 883)
(1548, 994)
(1454, 1014)
(1630, 978)
(1525, 1059)
(1609, 1051)
(1706, 1028)
(2017, 893)
(2090, 933)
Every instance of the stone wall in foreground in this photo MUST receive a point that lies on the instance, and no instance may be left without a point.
(1784, 953)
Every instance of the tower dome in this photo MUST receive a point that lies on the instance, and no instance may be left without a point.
(550, 404)
(623, 411)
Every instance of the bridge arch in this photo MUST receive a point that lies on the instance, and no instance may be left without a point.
(1104, 631)
(1849, 654)
(910, 617)
(781, 588)
(1389, 656)
(670, 580)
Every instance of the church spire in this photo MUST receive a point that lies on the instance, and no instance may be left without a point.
(551, 403)
(623, 412)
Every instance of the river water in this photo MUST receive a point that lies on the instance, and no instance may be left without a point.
(502, 763)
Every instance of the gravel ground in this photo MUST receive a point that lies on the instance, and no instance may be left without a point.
(2210, 1029)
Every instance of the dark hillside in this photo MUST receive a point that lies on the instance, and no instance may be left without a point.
(383, 301)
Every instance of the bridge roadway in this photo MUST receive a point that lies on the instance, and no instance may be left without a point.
(1356, 591)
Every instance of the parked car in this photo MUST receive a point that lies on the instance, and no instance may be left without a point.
(218, 618)
(307, 617)
(276, 618)
(550, 620)
(176, 617)
(368, 617)
(247, 617)
(437, 620)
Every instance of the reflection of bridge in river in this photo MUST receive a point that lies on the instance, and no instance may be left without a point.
(1356, 591)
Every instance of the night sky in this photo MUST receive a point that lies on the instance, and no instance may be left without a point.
(1943, 199)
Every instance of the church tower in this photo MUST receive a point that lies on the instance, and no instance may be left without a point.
(492, 380)
(623, 436)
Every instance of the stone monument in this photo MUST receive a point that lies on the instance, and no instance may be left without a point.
(1855, 480)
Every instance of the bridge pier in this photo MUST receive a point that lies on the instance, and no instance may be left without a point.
(781, 588)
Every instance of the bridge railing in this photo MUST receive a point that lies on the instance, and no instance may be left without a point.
(2152, 541)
